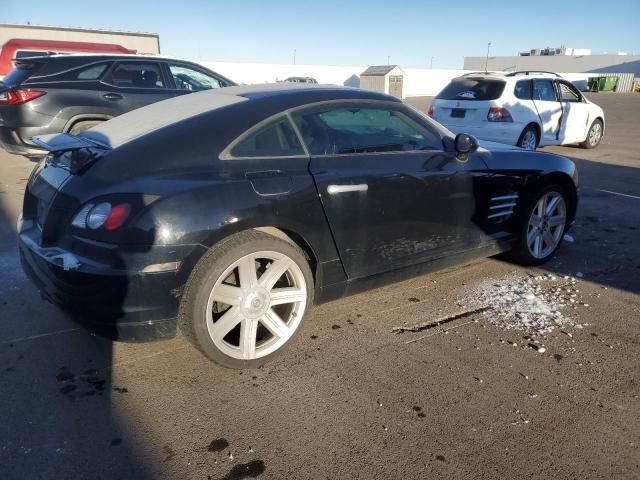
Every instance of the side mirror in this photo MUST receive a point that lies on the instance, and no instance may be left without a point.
(465, 144)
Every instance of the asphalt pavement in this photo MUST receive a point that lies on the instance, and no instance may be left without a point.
(351, 398)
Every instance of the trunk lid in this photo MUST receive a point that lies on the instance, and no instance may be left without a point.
(45, 203)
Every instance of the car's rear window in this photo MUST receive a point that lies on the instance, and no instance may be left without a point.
(18, 75)
(472, 89)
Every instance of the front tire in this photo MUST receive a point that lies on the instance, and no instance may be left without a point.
(529, 138)
(594, 136)
(542, 224)
(246, 299)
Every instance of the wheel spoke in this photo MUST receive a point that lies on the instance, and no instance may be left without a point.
(535, 220)
(274, 324)
(537, 245)
(280, 296)
(556, 220)
(226, 323)
(552, 205)
(274, 272)
(247, 272)
(227, 294)
(531, 236)
(248, 333)
(548, 239)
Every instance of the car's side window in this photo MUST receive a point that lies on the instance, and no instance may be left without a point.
(136, 75)
(277, 139)
(349, 130)
(523, 90)
(543, 90)
(92, 72)
(187, 78)
(568, 93)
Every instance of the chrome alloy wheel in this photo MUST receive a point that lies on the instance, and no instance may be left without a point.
(546, 224)
(256, 305)
(595, 134)
(529, 141)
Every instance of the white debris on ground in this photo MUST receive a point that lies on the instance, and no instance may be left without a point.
(535, 304)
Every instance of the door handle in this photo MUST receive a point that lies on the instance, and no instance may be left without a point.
(112, 96)
(335, 189)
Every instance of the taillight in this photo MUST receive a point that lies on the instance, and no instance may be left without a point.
(430, 111)
(117, 216)
(497, 114)
(18, 97)
(102, 215)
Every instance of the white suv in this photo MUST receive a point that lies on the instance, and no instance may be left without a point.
(527, 109)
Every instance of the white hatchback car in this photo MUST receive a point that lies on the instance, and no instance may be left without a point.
(527, 109)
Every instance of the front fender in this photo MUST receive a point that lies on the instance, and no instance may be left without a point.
(529, 171)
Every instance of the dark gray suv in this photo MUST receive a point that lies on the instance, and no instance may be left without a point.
(71, 93)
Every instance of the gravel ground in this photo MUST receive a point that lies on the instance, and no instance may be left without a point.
(435, 377)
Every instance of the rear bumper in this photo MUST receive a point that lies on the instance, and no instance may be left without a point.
(501, 132)
(106, 296)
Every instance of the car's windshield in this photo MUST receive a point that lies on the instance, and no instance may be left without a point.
(472, 89)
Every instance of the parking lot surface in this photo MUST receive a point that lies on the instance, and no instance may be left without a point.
(352, 398)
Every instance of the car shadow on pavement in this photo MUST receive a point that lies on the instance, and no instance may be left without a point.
(59, 418)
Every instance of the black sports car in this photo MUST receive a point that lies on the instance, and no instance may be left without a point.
(231, 212)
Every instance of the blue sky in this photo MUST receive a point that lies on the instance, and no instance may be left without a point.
(350, 32)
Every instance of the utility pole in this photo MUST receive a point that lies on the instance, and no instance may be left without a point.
(486, 62)
(294, 56)
(388, 59)
(431, 63)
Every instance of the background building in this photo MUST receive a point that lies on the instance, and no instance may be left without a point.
(144, 43)
(384, 78)
(559, 63)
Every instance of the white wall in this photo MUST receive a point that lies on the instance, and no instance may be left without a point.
(250, 73)
(418, 81)
(429, 82)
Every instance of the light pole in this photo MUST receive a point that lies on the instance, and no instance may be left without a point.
(294, 56)
(431, 63)
(486, 61)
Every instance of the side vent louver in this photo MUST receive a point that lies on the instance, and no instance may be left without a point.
(501, 208)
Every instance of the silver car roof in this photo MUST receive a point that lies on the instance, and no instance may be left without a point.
(139, 122)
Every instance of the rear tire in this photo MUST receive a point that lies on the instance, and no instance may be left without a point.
(81, 126)
(529, 138)
(541, 226)
(594, 136)
(237, 310)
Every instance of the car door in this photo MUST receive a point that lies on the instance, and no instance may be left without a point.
(549, 111)
(576, 113)
(391, 193)
(132, 84)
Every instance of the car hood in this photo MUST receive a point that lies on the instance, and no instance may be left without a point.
(498, 147)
